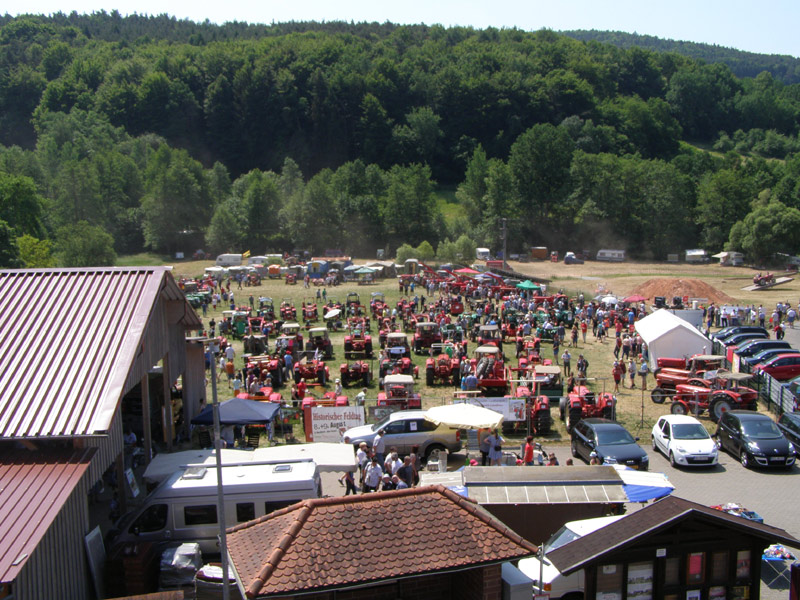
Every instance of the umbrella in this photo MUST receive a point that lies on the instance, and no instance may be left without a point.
(332, 313)
(464, 416)
(528, 285)
(610, 299)
(365, 271)
(238, 411)
(635, 298)
(467, 271)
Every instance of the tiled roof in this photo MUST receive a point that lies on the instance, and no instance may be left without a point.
(34, 485)
(69, 339)
(367, 538)
(655, 517)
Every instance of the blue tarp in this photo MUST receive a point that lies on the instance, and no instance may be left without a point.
(238, 411)
(641, 486)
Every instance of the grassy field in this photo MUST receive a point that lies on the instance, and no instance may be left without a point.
(635, 409)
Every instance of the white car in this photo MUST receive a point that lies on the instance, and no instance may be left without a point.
(684, 441)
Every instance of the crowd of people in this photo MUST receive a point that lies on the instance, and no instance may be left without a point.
(380, 471)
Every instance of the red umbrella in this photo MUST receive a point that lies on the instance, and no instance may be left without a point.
(635, 298)
(467, 271)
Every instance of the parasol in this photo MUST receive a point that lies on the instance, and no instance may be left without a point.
(332, 313)
(464, 416)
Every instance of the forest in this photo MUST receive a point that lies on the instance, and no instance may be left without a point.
(120, 135)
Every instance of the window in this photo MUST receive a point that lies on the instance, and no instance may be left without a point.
(672, 568)
(200, 515)
(743, 565)
(719, 567)
(396, 427)
(154, 518)
(271, 506)
(695, 567)
(609, 581)
(245, 511)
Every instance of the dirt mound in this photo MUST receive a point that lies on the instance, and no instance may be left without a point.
(669, 287)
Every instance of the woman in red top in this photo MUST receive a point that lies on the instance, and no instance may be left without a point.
(527, 456)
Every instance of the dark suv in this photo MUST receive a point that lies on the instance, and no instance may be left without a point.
(610, 440)
(754, 439)
(789, 424)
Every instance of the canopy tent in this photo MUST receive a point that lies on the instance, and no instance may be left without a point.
(333, 458)
(364, 271)
(528, 285)
(667, 335)
(238, 411)
(464, 416)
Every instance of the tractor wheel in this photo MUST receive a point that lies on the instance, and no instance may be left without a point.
(321, 377)
(608, 411)
(429, 376)
(456, 378)
(678, 408)
(329, 352)
(297, 377)
(348, 347)
(543, 422)
(562, 408)
(575, 415)
(719, 406)
(365, 378)
(368, 349)
(658, 395)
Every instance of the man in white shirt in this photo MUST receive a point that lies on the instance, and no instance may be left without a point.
(379, 447)
(361, 397)
(392, 463)
(372, 476)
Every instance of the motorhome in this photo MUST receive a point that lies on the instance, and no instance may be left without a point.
(697, 255)
(229, 260)
(611, 255)
(482, 254)
(183, 508)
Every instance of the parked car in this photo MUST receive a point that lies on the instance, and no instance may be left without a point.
(610, 441)
(684, 441)
(740, 338)
(789, 424)
(781, 366)
(734, 329)
(765, 355)
(571, 259)
(754, 439)
(756, 346)
(405, 429)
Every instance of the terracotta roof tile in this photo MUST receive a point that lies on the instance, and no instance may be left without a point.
(367, 538)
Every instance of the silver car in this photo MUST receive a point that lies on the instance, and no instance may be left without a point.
(405, 429)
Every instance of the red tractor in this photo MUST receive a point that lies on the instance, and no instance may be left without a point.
(426, 333)
(357, 342)
(385, 327)
(398, 390)
(443, 366)
(397, 362)
(672, 372)
(293, 331)
(318, 340)
(489, 335)
(266, 308)
(311, 370)
(395, 340)
(377, 304)
(310, 311)
(763, 280)
(357, 371)
(582, 403)
(717, 396)
(541, 419)
(490, 370)
(272, 364)
(288, 310)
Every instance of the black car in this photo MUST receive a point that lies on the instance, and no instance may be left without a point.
(740, 338)
(789, 424)
(734, 329)
(612, 443)
(754, 439)
(765, 355)
(756, 346)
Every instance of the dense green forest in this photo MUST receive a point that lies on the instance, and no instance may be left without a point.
(119, 135)
(742, 64)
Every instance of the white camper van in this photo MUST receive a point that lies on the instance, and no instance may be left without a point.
(184, 507)
(611, 255)
(482, 254)
(229, 260)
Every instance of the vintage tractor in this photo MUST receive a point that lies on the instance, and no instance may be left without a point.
(398, 390)
(311, 370)
(377, 304)
(288, 310)
(352, 298)
(327, 399)
(511, 325)
(310, 311)
(583, 403)
(270, 363)
(255, 344)
(443, 366)
(717, 395)
(426, 334)
(672, 372)
(493, 379)
(541, 419)
(385, 327)
(318, 339)
(489, 335)
(397, 362)
(266, 308)
(763, 280)
(292, 330)
(398, 339)
(356, 341)
(291, 279)
(358, 372)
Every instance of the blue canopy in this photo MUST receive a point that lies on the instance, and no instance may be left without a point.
(238, 411)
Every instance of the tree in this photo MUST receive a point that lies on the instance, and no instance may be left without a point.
(769, 228)
(405, 252)
(35, 254)
(425, 251)
(465, 248)
(21, 207)
(84, 245)
(9, 251)
(410, 211)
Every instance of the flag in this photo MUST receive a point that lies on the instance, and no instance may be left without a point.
(246, 254)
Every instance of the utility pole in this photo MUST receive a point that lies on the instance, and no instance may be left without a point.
(505, 264)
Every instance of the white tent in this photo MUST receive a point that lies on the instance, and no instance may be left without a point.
(667, 335)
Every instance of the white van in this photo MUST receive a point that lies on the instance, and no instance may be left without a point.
(482, 254)
(183, 508)
(611, 255)
(554, 583)
(229, 260)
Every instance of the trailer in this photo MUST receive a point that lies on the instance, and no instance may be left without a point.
(611, 255)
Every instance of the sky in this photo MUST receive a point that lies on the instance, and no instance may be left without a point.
(768, 26)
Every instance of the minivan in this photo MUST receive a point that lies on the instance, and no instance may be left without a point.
(183, 508)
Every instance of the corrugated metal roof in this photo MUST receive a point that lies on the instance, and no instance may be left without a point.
(69, 339)
(34, 485)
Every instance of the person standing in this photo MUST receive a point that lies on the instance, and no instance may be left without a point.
(484, 448)
(632, 373)
(644, 369)
(616, 373)
(361, 397)
(372, 476)
(527, 455)
(495, 448)
(566, 358)
(379, 447)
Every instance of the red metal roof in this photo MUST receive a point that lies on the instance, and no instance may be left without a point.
(367, 538)
(69, 339)
(34, 485)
